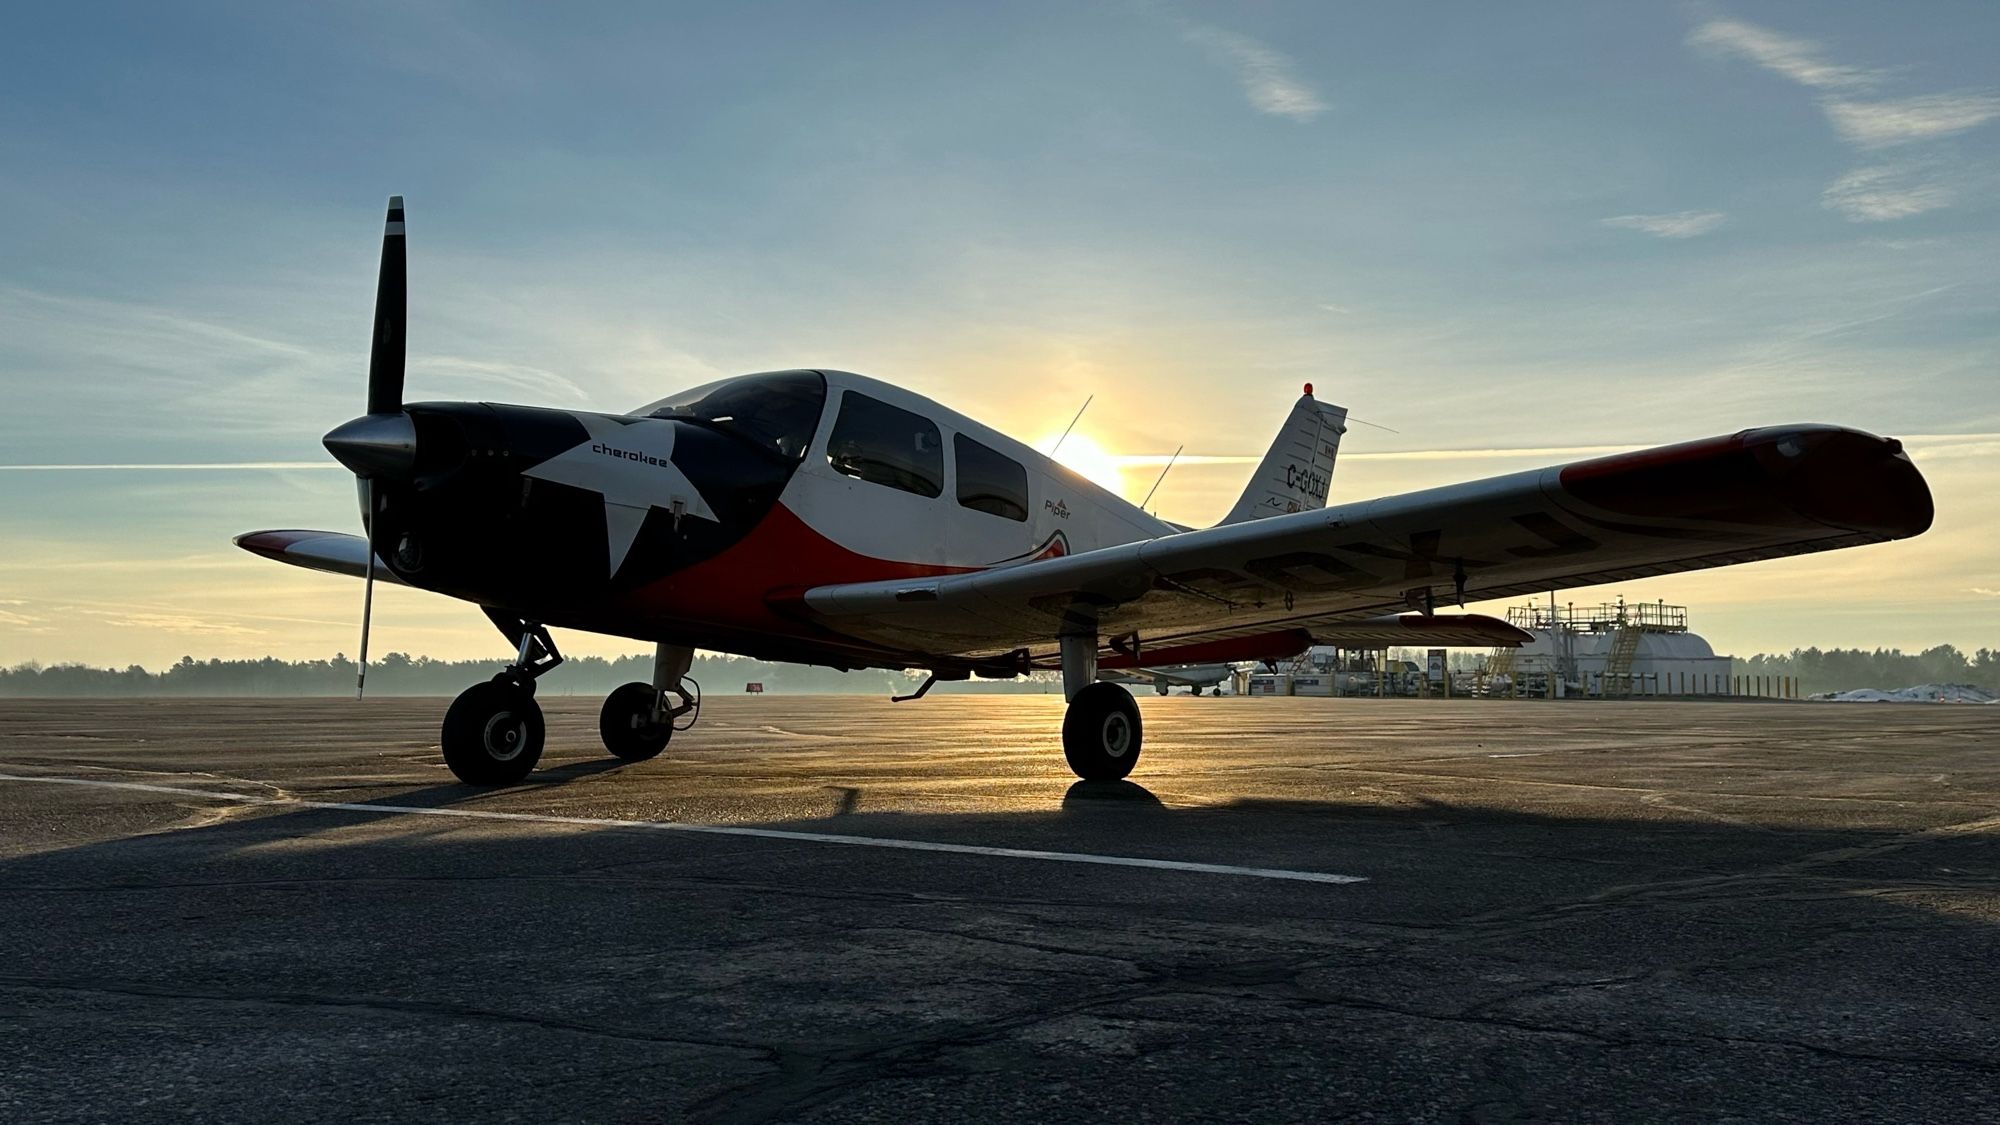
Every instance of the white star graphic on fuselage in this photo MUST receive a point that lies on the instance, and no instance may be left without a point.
(631, 466)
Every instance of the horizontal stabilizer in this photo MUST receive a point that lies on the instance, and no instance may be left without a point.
(330, 551)
(1456, 630)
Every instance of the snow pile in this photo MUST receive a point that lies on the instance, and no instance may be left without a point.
(1922, 693)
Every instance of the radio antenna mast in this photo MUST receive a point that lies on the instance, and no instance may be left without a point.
(1162, 476)
(1071, 426)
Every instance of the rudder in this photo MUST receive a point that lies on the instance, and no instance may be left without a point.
(1295, 474)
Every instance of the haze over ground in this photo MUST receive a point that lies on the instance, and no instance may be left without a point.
(1590, 226)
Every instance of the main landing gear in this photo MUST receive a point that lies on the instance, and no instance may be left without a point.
(493, 731)
(1101, 729)
(638, 720)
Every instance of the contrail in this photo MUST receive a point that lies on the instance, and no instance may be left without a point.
(1132, 460)
(1143, 460)
(201, 466)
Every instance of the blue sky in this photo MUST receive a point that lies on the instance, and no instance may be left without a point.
(1488, 227)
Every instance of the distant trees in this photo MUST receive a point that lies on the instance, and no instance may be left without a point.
(402, 674)
(1844, 669)
(398, 673)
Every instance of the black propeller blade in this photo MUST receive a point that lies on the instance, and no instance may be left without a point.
(385, 389)
(392, 318)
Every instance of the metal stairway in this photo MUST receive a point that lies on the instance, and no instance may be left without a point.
(1618, 662)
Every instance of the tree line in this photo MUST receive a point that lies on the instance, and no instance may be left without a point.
(402, 674)
(1844, 669)
(1815, 670)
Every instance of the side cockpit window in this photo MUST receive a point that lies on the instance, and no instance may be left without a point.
(885, 444)
(990, 481)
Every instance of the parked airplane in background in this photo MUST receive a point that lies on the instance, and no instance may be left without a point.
(825, 518)
(1413, 630)
(1195, 677)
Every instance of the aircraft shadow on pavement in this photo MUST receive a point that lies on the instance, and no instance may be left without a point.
(1482, 933)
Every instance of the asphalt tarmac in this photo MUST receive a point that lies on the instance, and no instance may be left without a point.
(1348, 909)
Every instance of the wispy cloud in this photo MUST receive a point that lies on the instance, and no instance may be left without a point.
(1986, 591)
(1673, 224)
(175, 623)
(1270, 79)
(24, 622)
(1801, 60)
(1904, 120)
(1880, 192)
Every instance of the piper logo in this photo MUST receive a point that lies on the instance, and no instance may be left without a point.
(1056, 508)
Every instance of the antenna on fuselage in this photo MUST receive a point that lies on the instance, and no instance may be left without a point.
(1071, 426)
(1163, 475)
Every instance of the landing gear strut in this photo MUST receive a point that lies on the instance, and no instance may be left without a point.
(638, 719)
(1101, 731)
(493, 731)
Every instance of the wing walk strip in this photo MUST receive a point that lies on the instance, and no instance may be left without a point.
(714, 830)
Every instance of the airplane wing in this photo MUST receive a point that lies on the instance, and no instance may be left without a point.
(1219, 593)
(331, 551)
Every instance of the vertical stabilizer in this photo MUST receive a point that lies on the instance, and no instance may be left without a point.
(1294, 475)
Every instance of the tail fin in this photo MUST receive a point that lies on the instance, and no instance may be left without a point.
(1295, 473)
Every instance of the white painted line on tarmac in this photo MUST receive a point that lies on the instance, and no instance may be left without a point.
(716, 830)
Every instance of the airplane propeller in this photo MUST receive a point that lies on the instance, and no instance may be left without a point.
(383, 442)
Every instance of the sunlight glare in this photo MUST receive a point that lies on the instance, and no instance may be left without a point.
(1091, 461)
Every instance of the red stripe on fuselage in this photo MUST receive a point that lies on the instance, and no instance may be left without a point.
(781, 558)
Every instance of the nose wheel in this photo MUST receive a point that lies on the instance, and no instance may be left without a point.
(493, 733)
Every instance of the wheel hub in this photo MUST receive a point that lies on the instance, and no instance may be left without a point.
(1117, 735)
(504, 736)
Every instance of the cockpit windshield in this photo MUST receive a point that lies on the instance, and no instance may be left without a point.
(778, 412)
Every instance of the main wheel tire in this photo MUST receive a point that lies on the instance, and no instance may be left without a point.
(1101, 733)
(626, 723)
(493, 733)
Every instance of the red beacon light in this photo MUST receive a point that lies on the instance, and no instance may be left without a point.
(1309, 390)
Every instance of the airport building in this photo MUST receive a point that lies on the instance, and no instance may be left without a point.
(1610, 650)
(1614, 650)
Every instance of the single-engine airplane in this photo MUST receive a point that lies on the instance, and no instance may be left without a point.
(1197, 678)
(825, 518)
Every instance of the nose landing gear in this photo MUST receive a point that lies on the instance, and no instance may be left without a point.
(493, 731)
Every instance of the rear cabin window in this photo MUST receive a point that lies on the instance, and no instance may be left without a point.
(885, 444)
(990, 481)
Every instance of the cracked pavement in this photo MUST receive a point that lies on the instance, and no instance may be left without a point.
(1580, 912)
